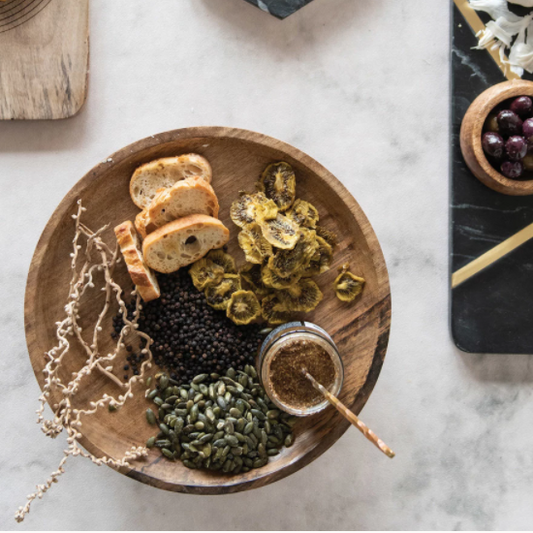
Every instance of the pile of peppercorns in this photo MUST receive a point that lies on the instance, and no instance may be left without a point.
(190, 337)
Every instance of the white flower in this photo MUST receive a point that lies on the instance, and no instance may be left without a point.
(507, 33)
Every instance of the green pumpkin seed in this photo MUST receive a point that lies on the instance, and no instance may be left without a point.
(212, 393)
(150, 417)
(167, 453)
(258, 414)
(206, 438)
(231, 440)
(261, 450)
(163, 382)
(207, 449)
(210, 415)
(235, 412)
(150, 442)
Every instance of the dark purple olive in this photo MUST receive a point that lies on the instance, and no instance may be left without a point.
(527, 128)
(512, 169)
(493, 144)
(516, 147)
(522, 106)
(509, 123)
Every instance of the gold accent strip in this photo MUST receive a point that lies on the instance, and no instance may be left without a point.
(492, 255)
(477, 25)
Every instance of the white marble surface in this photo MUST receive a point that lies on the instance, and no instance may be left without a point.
(362, 86)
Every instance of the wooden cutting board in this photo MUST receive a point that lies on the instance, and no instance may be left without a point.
(44, 56)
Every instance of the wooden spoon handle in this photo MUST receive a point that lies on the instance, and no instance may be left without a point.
(361, 426)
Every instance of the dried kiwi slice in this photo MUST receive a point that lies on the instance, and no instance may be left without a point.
(265, 208)
(329, 236)
(278, 182)
(243, 307)
(347, 285)
(302, 296)
(221, 258)
(218, 296)
(321, 260)
(251, 274)
(281, 232)
(274, 311)
(271, 279)
(285, 262)
(205, 272)
(255, 247)
(242, 210)
(303, 213)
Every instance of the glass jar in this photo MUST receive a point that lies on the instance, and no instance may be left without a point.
(287, 334)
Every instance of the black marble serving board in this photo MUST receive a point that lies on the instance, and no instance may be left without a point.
(280, 8)
(492, 312)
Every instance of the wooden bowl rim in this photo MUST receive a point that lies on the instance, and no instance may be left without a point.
(481, 107)
(383, 294)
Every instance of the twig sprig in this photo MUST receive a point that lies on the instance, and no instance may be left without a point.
(95, 257)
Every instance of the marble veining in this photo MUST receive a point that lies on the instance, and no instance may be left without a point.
(361, 86)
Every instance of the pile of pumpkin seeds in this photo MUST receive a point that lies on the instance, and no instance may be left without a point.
(224, 423)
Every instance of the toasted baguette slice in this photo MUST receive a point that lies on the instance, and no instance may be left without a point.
(141, 223)
(183, 241)
(140, 273)
(192, 196)
(163, 173)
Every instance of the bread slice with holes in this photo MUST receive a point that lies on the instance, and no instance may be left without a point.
(192, 196)
(141, 274)
(163, 173)
(183, 241)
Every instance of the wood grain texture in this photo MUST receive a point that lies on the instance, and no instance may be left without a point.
(472, 131)
(360, 329)
(44, 58)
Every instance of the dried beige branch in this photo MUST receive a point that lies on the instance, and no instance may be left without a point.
(97, 257)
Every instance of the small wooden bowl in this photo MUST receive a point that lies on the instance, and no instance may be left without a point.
(472, 130)
(360, 329)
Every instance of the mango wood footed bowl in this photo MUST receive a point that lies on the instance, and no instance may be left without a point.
(472, 131)
(360, 329)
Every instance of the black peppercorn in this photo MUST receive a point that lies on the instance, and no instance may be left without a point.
(190, 337)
